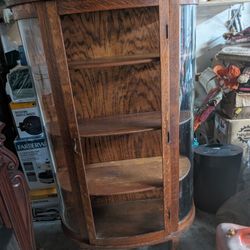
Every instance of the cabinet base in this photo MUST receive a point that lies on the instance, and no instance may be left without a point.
(183, 226)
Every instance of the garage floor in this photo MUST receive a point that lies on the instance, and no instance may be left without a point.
(201, 236)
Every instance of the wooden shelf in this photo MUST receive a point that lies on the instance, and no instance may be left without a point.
(128, 176)
(125, 124)
(114, 61)
(222, 2)
(121, 124)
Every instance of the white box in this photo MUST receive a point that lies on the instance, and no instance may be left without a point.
(235, 132)
(27, 119)
(35, 161)
(236, 105)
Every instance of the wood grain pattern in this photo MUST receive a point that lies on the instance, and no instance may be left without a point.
(58, 72)
(129, 176)
(156, 193)
(164, 9)
(78, 6)
(113, 41)
(120, 125)
(120, 33)
(115, 148)
(174, 35)
(122, 90)
(123, 177)
(114, 61)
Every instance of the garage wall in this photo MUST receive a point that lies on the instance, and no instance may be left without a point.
(210, 28)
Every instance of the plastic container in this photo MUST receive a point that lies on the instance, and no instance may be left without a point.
(216, 171)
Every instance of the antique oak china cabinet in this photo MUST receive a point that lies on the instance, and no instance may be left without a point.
(114, 81)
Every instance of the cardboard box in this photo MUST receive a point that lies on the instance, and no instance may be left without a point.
(35, 161)
(27, 119)
(39, 194)
(45, 204)
(235, 132)
(236, 105)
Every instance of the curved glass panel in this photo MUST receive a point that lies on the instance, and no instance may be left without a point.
(187, 73)
(69, 204)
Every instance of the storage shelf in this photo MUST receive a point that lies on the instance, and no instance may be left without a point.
(125, 124)
(128, 176)
(222, 2)
(121, 124)
(114, 61)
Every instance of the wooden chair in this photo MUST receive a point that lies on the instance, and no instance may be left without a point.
(15, 210)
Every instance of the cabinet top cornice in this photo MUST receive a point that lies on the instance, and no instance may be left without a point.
(10, 3)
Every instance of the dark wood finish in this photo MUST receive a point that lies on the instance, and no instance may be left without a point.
(68, 7)
(114, 61)
(15, 209)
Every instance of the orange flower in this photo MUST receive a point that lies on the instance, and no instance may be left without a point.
(233, 72)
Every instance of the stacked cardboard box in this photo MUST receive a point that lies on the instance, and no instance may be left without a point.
(232, 124)
(44, 204)
(31, 145)
(232, 131)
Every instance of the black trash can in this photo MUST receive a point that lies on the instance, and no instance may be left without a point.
(216, 171)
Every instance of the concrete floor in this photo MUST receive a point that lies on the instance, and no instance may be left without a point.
(201, 236)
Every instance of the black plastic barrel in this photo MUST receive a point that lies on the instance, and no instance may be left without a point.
(216, 171)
